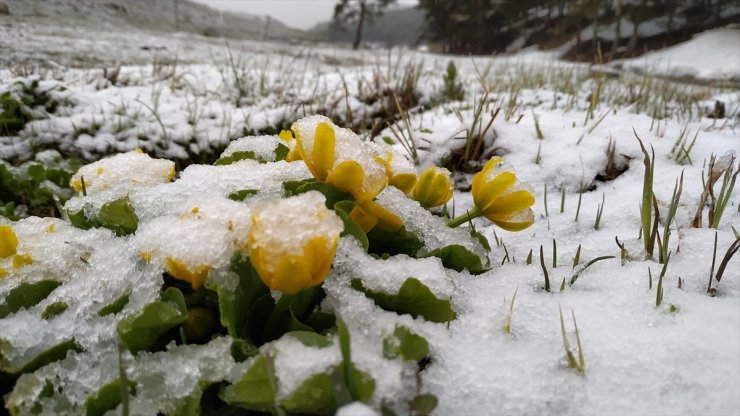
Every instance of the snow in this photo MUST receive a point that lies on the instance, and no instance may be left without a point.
(710, 55)
(640, 359)
(262, 146)
(137, 168)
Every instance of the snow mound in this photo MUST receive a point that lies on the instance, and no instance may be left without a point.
(133, 167)
(710, 55)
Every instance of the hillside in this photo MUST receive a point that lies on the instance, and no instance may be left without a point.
(153, 15)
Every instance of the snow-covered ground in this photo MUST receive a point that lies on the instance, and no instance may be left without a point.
(713, 55)
(555, 124)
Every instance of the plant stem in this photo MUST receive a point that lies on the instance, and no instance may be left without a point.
(455, 222)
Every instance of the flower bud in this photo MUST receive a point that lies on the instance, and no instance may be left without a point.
(292, 242)
(434, 187)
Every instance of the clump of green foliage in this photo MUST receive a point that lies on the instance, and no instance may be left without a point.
(37, 186)
(453, 90)
(25, 101)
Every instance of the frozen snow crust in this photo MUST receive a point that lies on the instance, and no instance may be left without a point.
(108, 295)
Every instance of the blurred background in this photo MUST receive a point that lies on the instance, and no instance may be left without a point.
(581, 30)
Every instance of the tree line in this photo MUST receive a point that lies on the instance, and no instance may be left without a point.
(608, 27)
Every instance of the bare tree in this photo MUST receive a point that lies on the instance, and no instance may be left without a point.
(358, 12)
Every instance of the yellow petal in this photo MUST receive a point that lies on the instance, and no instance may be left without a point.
(404, 181)
(20, 260)
(424, 184)
(8, 241)
(516, 222)
(387, 220)
(3, 272)
(293, 155)
(482, 176)
(486, 193)
(323, 151)
(180, 271)
(286, 136)
(365, 220)
(290, 276)
(321, 254)
(295, 273)
(347, 176)
(259, 261)
(511, 203)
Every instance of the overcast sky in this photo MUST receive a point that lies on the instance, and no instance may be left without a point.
(301, 14)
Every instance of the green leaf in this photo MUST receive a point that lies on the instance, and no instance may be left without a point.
(296, 325)
(237, 156)
(391, 243)
(388, 140)
(50, 355)
(53, 310)
(347, 367)
(115, 306)
(314, 396)
(119, 216)
(291, 308)
(291, 187)
(140, 332)
(317, 394)
(254, 391)
(343, 208)
(80, 220)
(481, 239)
(106, 398)
(458, 258)
(245, 307)
(241, 350)
(413, 298)
(332, 194)
(26, 295)
(423, 404)
(37, 172)
(310, 339)
(321, 321)
(242, 194)
(281, 152)
(405, 344)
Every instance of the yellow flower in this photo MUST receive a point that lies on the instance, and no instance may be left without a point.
(8, 241)
(292, 242)
(180, 271)
(434, 187)
(293, 154)
(339, 157)
(499, 196)
(400, 172)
